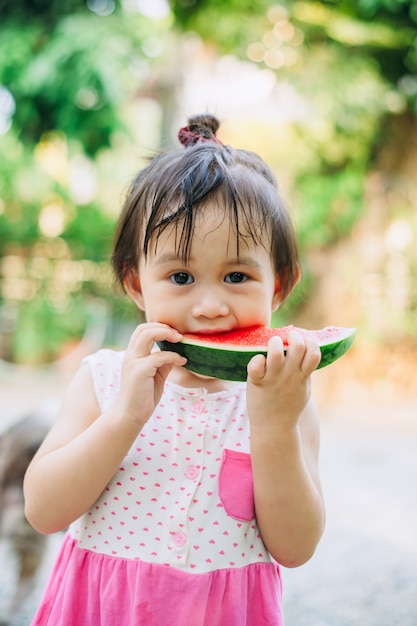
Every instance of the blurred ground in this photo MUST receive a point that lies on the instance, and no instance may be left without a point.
(364, 572)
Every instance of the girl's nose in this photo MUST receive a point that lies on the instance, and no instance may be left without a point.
(210, 304)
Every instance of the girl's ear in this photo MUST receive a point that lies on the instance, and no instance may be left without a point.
(276, 298)
(131, 284)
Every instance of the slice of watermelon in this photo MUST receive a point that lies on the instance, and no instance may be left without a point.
(226, 355)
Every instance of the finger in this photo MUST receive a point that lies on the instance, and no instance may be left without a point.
(147, 327)
(145, 335)
(303, 352)
(296, 348)
(257, 368)
(312, 357)
(275, 358)
(276, 348)
(136, 333)
(164, 358)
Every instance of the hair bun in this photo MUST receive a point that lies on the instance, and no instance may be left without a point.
(200, 128)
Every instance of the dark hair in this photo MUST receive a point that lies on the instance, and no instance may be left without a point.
(177, 185)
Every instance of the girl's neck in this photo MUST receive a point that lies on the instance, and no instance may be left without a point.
(189, 380)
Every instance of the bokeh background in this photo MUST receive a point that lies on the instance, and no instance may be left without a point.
(326, 92)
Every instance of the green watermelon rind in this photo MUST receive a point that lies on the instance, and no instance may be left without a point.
(229, 363)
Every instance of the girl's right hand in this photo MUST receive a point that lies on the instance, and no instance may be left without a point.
(145, 370)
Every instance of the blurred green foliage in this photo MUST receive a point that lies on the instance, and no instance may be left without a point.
(43, 329)
(65, 73)
(384, 31)
(69, 68)
(240, 19)
(329, 206)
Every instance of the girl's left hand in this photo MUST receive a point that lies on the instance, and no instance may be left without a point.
(279, 384)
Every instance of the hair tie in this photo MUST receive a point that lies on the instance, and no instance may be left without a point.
(189, 138)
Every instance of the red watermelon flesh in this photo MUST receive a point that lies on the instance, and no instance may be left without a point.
(257, 337)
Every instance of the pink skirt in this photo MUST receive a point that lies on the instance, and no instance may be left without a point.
(91, 589)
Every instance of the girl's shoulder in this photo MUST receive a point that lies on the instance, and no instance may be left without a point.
(105, 366)
(105, 357)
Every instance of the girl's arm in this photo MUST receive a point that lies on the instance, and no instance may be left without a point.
(84, 448)
(77, 459)
(284, 450)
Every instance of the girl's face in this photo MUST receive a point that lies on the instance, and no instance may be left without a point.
(215, 290)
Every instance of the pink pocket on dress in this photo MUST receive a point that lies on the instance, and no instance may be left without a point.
(236, 485)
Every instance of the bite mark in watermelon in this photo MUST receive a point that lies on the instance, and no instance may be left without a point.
(226, 355)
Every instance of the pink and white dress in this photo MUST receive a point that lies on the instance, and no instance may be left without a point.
(172, 540)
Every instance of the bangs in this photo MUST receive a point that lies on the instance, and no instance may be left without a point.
(237, 195)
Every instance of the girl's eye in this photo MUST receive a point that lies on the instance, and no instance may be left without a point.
(235, 277)
(181, 278)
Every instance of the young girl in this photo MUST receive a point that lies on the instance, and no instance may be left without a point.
(184, 493)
